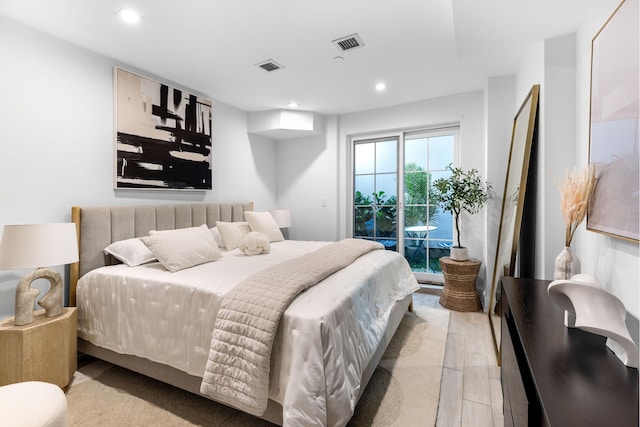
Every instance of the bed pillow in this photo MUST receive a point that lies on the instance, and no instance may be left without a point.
(183, 248)
(132, 252)
(217, 237)
(232, 233)
(263, 222)
(214, 232)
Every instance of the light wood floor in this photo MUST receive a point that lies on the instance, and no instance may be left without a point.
(470, 393)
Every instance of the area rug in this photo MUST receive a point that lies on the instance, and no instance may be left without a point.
(403, 391)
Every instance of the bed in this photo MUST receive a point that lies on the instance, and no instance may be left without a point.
(158, 323)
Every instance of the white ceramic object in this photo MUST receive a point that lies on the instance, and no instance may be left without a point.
(459, 254)
(563, 301)
(591, 308)
(567, 264)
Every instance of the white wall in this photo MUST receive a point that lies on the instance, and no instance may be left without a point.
(57, 141)
(558, 148)
(500, 111)
(615, 262)
(308, 182)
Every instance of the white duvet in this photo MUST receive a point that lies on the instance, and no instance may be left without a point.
(324, 343)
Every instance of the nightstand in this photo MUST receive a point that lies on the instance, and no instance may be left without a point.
(45, 350)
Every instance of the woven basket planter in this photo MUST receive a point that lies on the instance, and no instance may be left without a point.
(459, 292)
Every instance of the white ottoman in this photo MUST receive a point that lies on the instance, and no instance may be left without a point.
(32, 404)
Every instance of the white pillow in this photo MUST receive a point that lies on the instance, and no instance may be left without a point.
(263, 222)
(183, 248)
(232, 233)
(214, 232)
(131, 252)
(217, 237)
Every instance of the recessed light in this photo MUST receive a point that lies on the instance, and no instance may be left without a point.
(293, 105)
(130, 16)
(381, 86)
(338, 59)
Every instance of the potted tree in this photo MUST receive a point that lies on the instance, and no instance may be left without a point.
(461, 191)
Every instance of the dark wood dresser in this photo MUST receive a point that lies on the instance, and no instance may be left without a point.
(556, 376)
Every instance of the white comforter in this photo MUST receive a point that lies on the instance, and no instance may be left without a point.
(325, 341)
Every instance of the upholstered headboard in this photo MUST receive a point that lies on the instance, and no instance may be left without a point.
(100, 226)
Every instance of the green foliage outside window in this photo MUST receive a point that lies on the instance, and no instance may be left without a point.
(386, 214)
(417, 183)
(384, 209)
(363, 213)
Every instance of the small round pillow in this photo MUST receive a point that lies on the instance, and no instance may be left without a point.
(254, 243)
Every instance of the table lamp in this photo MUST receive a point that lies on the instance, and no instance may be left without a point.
(38, 246)
(283, 219)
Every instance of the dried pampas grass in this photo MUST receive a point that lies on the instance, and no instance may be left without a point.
(575, 194)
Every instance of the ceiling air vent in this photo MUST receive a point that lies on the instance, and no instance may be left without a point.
(269, 65)
(349, 42)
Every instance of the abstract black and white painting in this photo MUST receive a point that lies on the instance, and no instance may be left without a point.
(163, 135)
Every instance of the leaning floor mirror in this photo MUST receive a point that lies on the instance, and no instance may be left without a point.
(512, 206)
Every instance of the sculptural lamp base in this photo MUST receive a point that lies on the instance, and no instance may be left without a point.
(26, 296)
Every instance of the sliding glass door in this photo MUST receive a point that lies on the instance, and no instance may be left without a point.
(391, 181)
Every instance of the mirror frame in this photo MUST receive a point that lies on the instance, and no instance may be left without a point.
(508, 238)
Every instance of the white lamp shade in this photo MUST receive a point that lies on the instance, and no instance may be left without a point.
(282, 217)
(38, 245)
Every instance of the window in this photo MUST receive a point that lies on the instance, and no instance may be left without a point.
(428, 229)
(391, 181)
(376, 190)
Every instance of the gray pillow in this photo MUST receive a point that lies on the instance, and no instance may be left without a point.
(183, 248)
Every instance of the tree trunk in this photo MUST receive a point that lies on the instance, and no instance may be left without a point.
(458, 230)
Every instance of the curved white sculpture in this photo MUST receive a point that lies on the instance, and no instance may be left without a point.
(561, 299)
(591, 308)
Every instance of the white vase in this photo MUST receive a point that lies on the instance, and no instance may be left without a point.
(567, 264)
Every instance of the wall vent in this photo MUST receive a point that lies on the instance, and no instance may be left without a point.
(349, 42)
(269, 65)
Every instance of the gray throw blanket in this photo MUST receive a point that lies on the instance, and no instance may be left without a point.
(237, 371)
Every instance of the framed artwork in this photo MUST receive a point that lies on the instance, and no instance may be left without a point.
(614, 133)
(162, 135)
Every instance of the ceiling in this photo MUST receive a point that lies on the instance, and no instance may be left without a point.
(420, 48)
